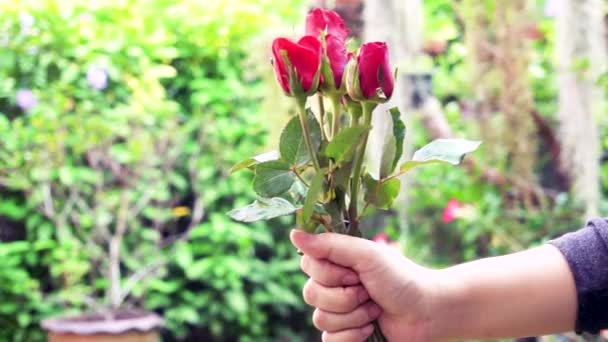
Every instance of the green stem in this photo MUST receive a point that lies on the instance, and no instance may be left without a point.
(368, 108)
(377, 336)
(335, 126)
(306, 132)
(300, 177)
(354, 112)
(322, 115)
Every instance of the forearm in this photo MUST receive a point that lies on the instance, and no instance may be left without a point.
(530, 293)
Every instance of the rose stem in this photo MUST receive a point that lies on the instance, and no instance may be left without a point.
(322, 115)
(368, 108)
(306, 133)
(335, 126)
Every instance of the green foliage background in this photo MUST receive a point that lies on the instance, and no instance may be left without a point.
(187, 73)
(497, 222)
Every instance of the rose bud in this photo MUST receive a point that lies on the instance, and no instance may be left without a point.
(369, 76)
(334, 63)
(320, 21)
(297, 66)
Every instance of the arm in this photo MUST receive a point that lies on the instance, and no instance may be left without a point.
(530, 293)
(548, 289)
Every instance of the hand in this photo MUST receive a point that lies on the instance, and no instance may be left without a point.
(355, 281)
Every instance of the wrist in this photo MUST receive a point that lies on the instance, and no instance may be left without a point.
(449, 303)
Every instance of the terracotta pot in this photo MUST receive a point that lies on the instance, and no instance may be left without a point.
(127, 326)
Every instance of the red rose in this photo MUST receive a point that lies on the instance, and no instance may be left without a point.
(297, 65)
(338, 57)
(374, 70)
(370, 77)
(321, 20)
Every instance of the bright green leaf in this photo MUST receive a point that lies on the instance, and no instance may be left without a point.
(183, 255)
(292, 144)
(263, 209)
(393, 148)
(398, 134)
(388, 154)
(343, 145)
(272, 178)
(282, 294)
(451, 151)
(198, 269)
(4, 123)
(250, 162)
(380, 194)
(237, 301)
(315, 189)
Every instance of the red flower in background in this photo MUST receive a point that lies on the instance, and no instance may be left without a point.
(376, 80)
(533, 32)
(304, 59)
(382, 238)
(435, 48)
(450, 213)
(321, 20)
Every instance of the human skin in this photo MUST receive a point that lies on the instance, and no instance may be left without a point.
(355, 281)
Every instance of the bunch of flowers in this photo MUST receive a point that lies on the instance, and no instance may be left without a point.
(318, 173)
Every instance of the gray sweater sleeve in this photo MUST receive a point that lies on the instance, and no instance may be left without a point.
(587, 254)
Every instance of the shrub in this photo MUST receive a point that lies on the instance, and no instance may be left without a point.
(160, 99)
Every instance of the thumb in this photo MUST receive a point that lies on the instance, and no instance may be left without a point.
(343, 250)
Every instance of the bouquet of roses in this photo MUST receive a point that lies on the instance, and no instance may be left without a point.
(318, 172)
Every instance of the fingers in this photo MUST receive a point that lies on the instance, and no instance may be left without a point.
(327, 273)
(340, 249)
(351, 335)
(333, 322)
(334, 299)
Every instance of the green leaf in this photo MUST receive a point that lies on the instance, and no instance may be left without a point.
(4, 123)
(263, 209)
(237, 301)
(388, 154)
(393, 148)
(342, 176)
(183, 255)
(315, 189)
(451, 151)
(185, 314)
(380, 194)
(343, 145)
(66, 175)
(398, 134)
(309, 227)
(292, 144)
(251, 162)
(272, 178)
(282, 294)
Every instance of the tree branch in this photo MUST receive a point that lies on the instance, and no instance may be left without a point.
(137, 277)
(115, 243)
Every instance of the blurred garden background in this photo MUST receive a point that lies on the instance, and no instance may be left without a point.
(120, 121)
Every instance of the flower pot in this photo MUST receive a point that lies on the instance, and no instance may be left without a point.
(125, 326)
